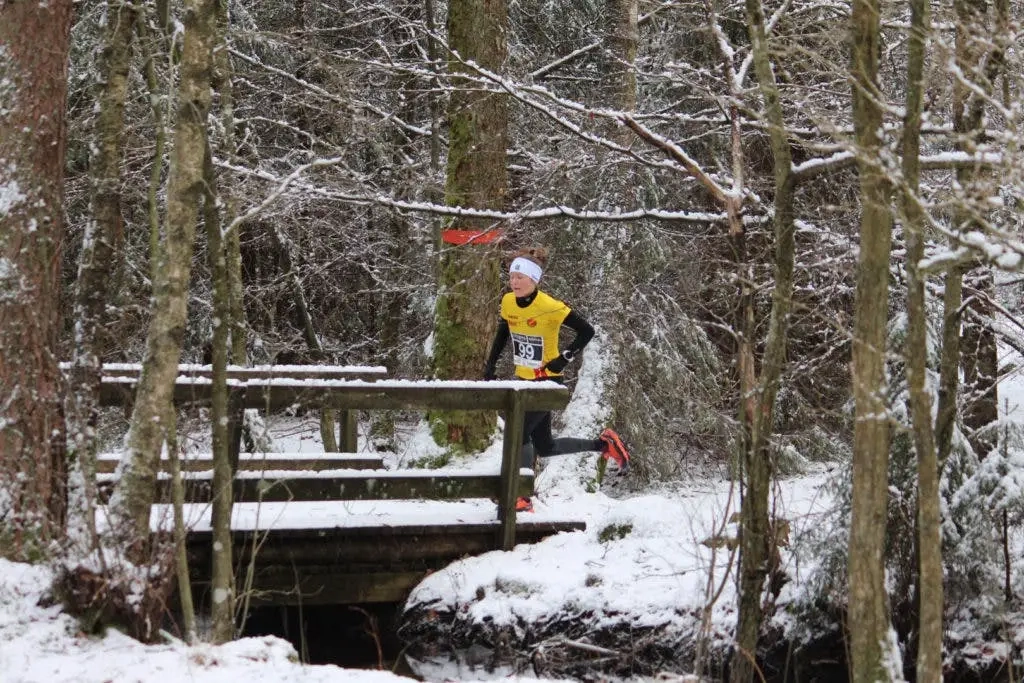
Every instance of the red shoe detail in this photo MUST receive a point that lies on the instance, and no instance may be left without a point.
(615, 450)
(540, 373)
(524, 504)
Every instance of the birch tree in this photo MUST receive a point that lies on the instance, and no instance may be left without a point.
(34, 43)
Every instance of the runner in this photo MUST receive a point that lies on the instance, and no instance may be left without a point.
(532, 320)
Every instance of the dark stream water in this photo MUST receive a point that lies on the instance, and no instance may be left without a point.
(364, 637)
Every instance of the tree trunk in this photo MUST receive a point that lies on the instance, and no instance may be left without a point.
(181, 573)
(977, 349)
(612, 243)
(132, 501)
(756, 550)
(222, 574)
(871, 653)
(980, 361)
(34, 43)
(477, 177)
(223, 74)
(620, 42)
(288, 253)
(150, 43)
(929, 539)
(102, 253)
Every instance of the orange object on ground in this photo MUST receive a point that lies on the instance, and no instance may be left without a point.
(615, 450)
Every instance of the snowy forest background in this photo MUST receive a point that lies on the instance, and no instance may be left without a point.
(794, 224)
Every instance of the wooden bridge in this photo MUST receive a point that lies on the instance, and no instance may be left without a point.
(336, 528)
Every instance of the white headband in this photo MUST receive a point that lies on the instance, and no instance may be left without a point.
(526, 267)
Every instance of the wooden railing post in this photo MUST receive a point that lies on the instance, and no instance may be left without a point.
(348, 436)
(236, 422)
(512, 446)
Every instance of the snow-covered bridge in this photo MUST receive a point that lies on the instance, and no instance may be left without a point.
(338, 527)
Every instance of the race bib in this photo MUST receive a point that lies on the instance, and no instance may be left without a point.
(527, 350)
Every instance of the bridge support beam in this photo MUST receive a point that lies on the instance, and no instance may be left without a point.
(512, 447)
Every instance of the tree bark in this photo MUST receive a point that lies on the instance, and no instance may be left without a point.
(871, 653)
(915, 354)
(756, 548)
(150, 43)
(134, 497)
(610, 245)
(188, 612)
(979, 360)
(223, 75)
(102, 254)
(477, 177)
(34, 43)
(222, 574)
(977, 347)
(622, 34)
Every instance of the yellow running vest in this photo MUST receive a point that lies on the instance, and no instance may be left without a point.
(534, 331)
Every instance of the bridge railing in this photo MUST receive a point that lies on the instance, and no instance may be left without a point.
(347, 389)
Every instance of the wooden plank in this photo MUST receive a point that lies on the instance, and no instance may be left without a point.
(118, 391)
(273, 395)
(407, 395)
(338, 485)
(377, 545)
(512, 446)
(239, 372)
(106, 463)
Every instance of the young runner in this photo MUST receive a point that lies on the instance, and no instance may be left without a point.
(532, 319)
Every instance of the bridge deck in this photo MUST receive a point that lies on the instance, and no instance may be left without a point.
(331, 552)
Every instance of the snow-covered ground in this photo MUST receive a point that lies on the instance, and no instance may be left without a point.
(641, 561)
(654, 573)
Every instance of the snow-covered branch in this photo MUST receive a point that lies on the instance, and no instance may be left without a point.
(545, 213)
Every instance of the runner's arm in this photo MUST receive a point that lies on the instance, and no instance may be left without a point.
(501, 336)
(584, 333)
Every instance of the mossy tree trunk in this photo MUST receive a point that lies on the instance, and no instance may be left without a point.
(469, 278)
(147, 432)
(34, 43)
(102, 254)
(871, 648)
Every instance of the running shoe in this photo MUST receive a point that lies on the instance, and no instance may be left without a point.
(524, 504)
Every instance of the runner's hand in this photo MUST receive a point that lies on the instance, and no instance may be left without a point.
(556, 365)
